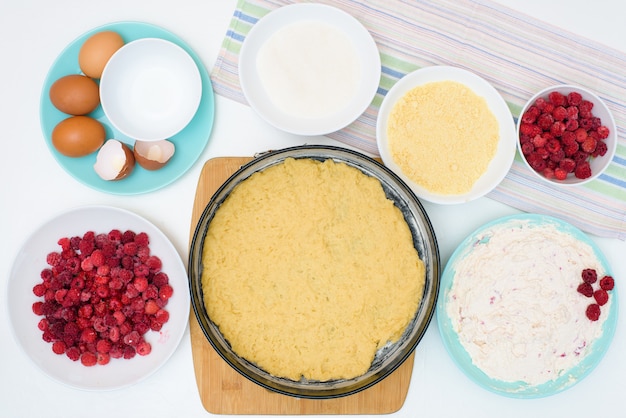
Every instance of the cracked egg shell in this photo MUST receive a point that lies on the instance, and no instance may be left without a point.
(153, 155)
(114, 161)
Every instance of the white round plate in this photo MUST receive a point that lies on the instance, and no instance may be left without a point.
(502, 161)
(25, 274)
(150, 89)
(261, 101)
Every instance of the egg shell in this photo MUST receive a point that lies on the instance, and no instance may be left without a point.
(75, 94)
(78, 136)
(151, 158)
(107, 164)
(96, 51)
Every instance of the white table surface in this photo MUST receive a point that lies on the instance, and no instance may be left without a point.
(33, 188)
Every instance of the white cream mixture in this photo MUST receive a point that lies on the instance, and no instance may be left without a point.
(515, 306)
(309, 69)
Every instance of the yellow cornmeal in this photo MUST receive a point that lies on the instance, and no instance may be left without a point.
(443, 136)
(309, 269)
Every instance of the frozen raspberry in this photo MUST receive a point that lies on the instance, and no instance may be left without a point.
(73, 353)
(557, 99)
(583, 170)
(589, 276)
(151, 307)
(567, 164)
(601, 149)
(130, 248)
(593, 312)
(142, 239)
(88, 359)
(154, 263)
(607, 283)
(103, 358)
(574, 98)
(603, 132)
(589, 145)
(166, 291)
(144, 348)
(160, 279)
(585, 289)
(59, 347)
(601, 296)
(128, 236)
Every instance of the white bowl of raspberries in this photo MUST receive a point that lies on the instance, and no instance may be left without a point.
(98, 298)
(566, 135)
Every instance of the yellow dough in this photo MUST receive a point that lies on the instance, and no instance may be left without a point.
(309, 269)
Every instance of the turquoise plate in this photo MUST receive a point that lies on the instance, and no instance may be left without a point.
(521, 389)
(190, 142)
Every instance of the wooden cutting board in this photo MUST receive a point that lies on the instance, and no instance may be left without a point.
(224, 391)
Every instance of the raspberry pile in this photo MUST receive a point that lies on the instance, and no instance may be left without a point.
(100, 294)
(600, 294)
(559, 135)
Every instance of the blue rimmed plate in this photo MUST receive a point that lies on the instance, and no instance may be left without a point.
(463, 359)
(190, 142)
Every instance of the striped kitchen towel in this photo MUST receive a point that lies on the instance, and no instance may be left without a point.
(518, 54)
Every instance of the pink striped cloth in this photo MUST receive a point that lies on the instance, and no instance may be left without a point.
(518, 54)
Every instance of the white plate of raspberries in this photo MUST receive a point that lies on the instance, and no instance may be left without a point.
(98, 298)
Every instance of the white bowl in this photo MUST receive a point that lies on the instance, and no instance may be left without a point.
(598, 164)
(25, 274)
(505, 153)
(150, 89)
(275, 99)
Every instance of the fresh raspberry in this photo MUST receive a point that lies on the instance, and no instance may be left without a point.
(583, 170)
(601, 296)
(585, 289)
(607, 283)
(589, 276)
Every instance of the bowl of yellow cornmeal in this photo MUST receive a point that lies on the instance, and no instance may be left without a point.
(447, 133)
(314, 271)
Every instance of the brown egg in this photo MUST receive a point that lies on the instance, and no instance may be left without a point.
(78, 136)
(96, 52)
(153, 155)
(75, 94)
(114, 161)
